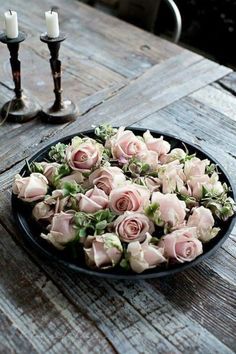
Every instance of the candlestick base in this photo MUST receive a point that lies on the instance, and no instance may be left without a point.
(67, 112)
(20, 110)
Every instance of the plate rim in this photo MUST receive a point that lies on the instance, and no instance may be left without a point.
(52, 258)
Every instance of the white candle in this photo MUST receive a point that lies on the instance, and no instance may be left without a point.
(52, 24)
(11, 24)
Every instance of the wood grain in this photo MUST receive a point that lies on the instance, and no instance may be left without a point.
(106, 305)
(119, 74)
(41, 315)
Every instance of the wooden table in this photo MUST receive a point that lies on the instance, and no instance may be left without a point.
(119, 74)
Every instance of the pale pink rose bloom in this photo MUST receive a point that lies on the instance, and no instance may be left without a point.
(203, 220)
(107, 178)
(42, 211)
(150, 158)
(131, 197)
(125, 145)
(152, 183)
(212, 184)
(174, 155)
(62, 230)
(31, 188)
(93, 200)
(158, 145)
(171, 210)
(133, 226)
(49, 169)
(75, 176)
(144, 255)
(182, 245)
(173, 178)
(195, 167)
(84, 154)
(103, 251)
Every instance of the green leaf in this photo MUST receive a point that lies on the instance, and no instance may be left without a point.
(101, 225)
(105, 131)
(151, 209)
(58, 152)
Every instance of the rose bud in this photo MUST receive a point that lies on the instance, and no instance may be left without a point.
(171, 210)
(93, 200)
(133, 226)
(75, 176)
(84, 154)
(158, 145)
(124, 145)
(62, 230)
(173, 178)
(211, 184)
(103, 251)
(107, 178)
(174, 155)
(31, 188)
(131, 197)
(42, 211)
(203, 220)
(182, 245)
(142, 256)
(195, 167)
(49, 169)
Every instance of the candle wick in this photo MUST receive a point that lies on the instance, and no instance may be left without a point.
(54, 9)
(10, 11)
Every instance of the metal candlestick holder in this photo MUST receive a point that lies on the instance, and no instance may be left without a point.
(59, 111)
(20, 108)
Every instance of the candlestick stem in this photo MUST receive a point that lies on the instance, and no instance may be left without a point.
(59, 111)
(15, 67)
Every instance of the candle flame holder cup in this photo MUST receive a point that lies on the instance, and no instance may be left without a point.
(59, 111)
(21, 108)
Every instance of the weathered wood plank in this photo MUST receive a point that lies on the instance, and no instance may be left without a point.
(41, 315)
(11, 339)
(137, 319)
(228, 83)
(23, 139)
(220, 100)
(101, 38)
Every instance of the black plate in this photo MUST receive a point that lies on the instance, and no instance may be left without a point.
(31, 230)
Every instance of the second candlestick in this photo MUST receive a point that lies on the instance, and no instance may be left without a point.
(60, 111)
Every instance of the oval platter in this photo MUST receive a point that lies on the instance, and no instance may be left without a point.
(30, 230)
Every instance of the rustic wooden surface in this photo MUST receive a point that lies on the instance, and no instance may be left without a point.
(123, 75)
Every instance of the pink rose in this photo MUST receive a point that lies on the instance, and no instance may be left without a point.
(42, 211)
(152, 183)
(107, 178)
(84, 154)
(202, 219)
(174, 155)
(93, 200)
(49, 169)
(172, 178)
(125, 145)
(62, 230)
(196, 184)
(103, 251)
(182, 245)
(75, 176)
(158, 145)
(31, 188)
(150, 158)
(195, 167)
(131, 197)
(144, 255)
(133, 226)
(171, 210)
